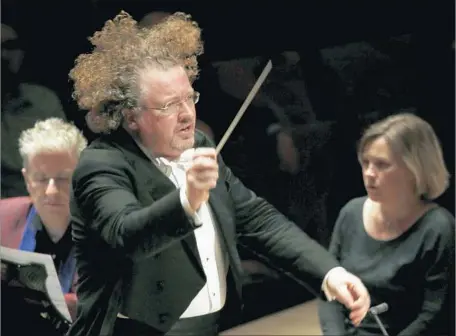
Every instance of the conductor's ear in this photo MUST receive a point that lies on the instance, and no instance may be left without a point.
(131, 119)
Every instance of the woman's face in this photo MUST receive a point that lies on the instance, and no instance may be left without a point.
(386, 178)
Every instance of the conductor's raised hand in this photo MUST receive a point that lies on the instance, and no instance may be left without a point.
(202, 175)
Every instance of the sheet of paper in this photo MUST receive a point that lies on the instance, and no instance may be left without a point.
(54, 290)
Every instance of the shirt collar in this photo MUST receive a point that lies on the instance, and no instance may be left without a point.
(160, 162)
(37, 223)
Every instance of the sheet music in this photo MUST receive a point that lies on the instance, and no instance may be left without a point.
(53, 287)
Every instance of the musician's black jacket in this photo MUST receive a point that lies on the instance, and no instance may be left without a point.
(135, 248)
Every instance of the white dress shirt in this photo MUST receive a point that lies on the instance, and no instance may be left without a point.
(211, 298)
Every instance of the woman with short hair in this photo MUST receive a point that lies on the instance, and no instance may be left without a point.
(396, 238)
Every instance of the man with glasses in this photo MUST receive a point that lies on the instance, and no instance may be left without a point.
(155, 211)
(40, 223)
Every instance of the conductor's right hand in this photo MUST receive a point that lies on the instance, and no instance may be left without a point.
(202, 175)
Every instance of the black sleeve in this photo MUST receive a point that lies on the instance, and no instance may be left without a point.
(331, 313)
(103, 193)
(437, 281)
(272, 235)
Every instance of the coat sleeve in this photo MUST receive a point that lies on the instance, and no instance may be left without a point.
(331, 313)
(438, 282)
(104, 202)
(261, 227)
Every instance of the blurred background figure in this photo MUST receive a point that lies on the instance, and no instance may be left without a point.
(23, 104)
(153, 18)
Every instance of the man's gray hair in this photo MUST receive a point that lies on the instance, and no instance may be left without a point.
(50, 135)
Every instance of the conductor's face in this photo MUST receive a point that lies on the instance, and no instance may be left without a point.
(166, 120)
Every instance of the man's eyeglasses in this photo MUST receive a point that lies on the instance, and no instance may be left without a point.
(175, 107)
(59, 181)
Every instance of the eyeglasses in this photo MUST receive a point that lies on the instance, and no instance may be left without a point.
(44, 181)
(175, 107)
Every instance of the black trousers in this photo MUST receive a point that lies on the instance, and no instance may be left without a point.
(206, 325)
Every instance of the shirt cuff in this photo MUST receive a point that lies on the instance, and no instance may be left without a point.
(188, 209)
(324, 285)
